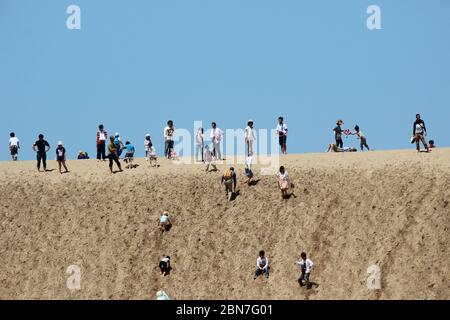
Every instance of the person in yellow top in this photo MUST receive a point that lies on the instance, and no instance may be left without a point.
(112, 149)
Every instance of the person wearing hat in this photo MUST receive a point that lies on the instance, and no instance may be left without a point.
(112, 155)
(338, 134)
(164, 222)
(250, 137)
(118, 142)
(61, 157)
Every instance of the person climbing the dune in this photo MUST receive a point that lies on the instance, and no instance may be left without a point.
(229, 180)
(164, 222)
(209, 159)
(248, 170)
(306, 266)
(419, 133)
(262, 265)
(112, 150)
(283, 182)
(164, 265)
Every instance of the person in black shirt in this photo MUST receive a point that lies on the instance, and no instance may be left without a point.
(338, 134)
(41, 147)
(419, 133)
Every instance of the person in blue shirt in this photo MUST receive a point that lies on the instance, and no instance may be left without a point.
(129, 155)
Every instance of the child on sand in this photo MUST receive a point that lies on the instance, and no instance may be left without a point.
(248, 170)
(306, 266)
(209, 159)
(112, 149)
(283, 182)
(14, 146)
(61, 157)
(147, 145)
(229, 180)
(129, 154)
(41, 147)
(164, 265)
(262, 265)
(164, 222)
(431, 144)
(362, 138)
(153, 157)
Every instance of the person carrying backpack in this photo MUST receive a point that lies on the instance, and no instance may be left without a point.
(229, 180)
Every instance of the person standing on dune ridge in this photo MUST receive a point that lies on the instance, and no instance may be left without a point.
(14, 146)
(338, 134)
(216, 137)
(419, 133)
(102, 135)
(41, 147)
(112, 150)
(282, 132)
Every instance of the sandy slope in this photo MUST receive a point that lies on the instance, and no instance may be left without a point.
(351, 211)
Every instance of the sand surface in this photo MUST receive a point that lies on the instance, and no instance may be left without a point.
(389, 208)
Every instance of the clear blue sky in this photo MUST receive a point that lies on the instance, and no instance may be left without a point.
(134, 64)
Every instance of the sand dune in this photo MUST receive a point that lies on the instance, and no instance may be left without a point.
(387, 208)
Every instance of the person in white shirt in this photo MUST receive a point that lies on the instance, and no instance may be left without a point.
(164, 265)
(169, 132)
(282, 132)
(14, 146)
(216, 137)
(283, 182)
(199, 143)
(262, 265)
(306, 265)
(250, 137)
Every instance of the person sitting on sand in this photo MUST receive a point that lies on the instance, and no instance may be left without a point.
(153, 157)
(164, 265)
(333, 148)
(14, 146)
(164, 222)
(129, 154)
(431, 144)
(306, 266)
(229, 180)
(262, 265)
(41, 147)
(248, 170)
(61, 157)
(362, 138)
(209, 159)
(112, 149)
(82, 155)
(283, 182)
